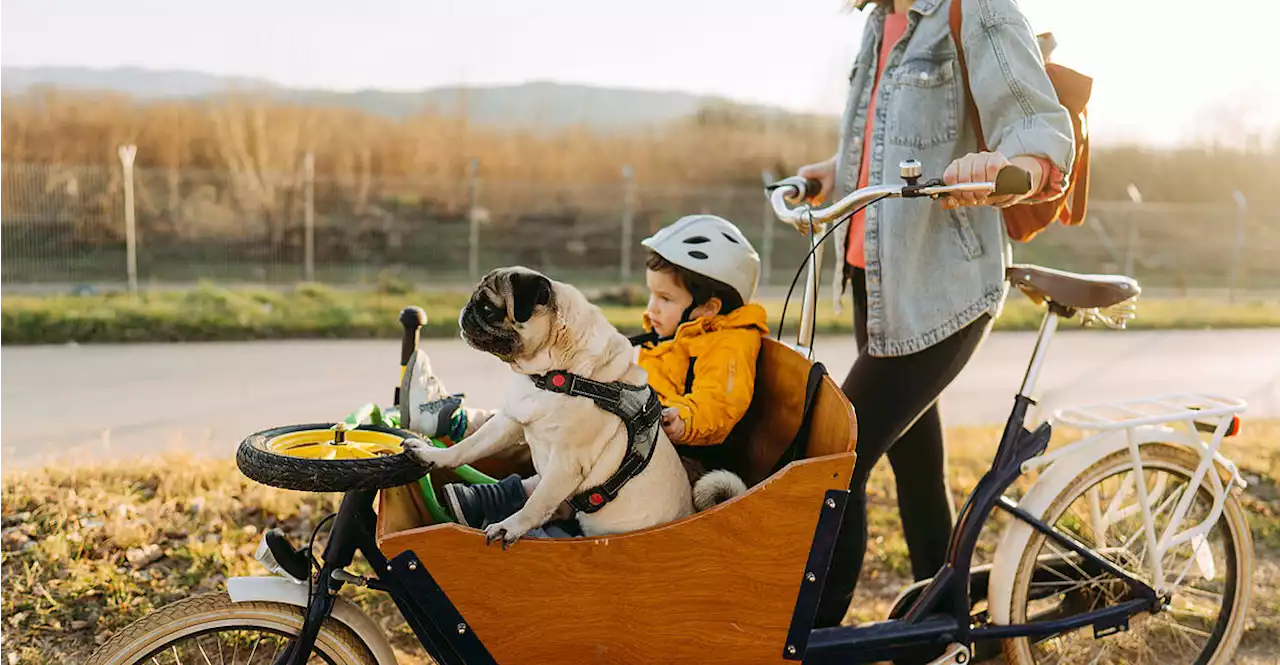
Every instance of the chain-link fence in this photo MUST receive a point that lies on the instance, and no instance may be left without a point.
(65, 226)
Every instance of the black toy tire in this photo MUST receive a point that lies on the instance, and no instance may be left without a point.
(258, 462)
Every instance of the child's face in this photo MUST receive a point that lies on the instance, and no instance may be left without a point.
(667, 301)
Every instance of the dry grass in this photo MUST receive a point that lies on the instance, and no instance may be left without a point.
(258, 140)
(87, 550)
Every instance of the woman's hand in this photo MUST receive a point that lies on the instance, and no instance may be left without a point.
(825, 173)
(984, 167)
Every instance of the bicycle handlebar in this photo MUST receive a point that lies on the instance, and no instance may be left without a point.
(796, 190)
(1011, 180)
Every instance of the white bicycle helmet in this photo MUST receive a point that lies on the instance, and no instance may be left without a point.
(710, 246)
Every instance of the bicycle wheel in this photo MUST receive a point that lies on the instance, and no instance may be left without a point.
(319, 458)
(1210, 577)
(211, 629)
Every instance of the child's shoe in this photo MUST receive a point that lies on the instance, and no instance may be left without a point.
(478, 506)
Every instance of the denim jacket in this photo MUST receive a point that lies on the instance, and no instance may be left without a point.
(931, 271)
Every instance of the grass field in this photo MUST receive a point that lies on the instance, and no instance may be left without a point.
(209, 312)
(87, 550)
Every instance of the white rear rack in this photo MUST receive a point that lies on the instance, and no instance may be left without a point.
(1179, 407)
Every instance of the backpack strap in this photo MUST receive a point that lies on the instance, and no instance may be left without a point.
(800, 443)
(640, 411)
(957, 9)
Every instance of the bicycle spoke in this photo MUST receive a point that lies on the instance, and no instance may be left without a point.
(1067, 559)
(255, 648)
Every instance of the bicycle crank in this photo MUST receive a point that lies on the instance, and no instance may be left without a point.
(956, 654)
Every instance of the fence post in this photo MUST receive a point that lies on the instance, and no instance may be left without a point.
(309, 216)
(1136, 197)
(1241, 211)
(127, 154)
(628, 221)
(766, 247)
(473, 243)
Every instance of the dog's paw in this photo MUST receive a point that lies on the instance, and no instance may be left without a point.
(429, 456)
(508, 531)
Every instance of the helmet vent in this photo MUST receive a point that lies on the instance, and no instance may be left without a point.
(697, 240)
(729, 238)
(697, 254)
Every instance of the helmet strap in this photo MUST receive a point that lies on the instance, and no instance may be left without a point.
(653, 336)
(684, 316)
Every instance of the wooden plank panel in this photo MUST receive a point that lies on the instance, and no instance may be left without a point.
(716, 587)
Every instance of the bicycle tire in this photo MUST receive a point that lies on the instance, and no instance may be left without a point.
(183, 619)
(259, 462)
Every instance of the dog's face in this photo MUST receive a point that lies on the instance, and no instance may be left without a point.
(510, 314)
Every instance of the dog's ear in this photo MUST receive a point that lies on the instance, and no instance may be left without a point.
(528, 290)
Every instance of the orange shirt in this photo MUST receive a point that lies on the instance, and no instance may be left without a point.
(894, 25)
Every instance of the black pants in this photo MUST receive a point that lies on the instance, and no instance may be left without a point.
(896, 403)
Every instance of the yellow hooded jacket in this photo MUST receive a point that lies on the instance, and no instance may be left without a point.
(722, 350)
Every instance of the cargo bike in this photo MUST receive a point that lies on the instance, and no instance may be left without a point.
(1130, 546)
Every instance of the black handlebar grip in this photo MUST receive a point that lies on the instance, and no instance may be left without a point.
(1012, 180)
(812, 187)
(412, 318)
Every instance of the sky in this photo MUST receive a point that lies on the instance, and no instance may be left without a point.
(1165, 71)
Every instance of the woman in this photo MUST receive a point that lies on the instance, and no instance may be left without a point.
(928, 279)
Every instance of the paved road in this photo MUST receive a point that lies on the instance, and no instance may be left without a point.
(95, 402)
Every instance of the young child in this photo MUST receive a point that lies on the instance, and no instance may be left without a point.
(702, 339)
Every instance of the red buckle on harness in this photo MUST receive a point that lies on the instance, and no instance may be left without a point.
(557, 380)
(595, 499)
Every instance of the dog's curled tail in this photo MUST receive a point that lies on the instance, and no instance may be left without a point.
(716, 487)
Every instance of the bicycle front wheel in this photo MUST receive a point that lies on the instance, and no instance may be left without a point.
(210, 628)
(1208, 578)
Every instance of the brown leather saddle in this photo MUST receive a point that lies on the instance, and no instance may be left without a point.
(1070, 289)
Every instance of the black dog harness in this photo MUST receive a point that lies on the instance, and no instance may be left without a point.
(640, 411)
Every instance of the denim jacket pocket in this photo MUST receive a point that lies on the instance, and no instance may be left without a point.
(923, 105)
(969, 240)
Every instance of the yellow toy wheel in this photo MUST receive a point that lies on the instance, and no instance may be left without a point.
(333, 443)
(329, 457)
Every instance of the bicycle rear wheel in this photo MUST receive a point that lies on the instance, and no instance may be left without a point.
(1210, 578)
(210, 628)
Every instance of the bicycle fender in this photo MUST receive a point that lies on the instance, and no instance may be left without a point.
(1075, 460)
(272, 588)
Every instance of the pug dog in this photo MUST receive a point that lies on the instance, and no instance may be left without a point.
(537, 325)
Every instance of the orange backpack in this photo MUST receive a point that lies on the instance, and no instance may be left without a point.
(1024, 221)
